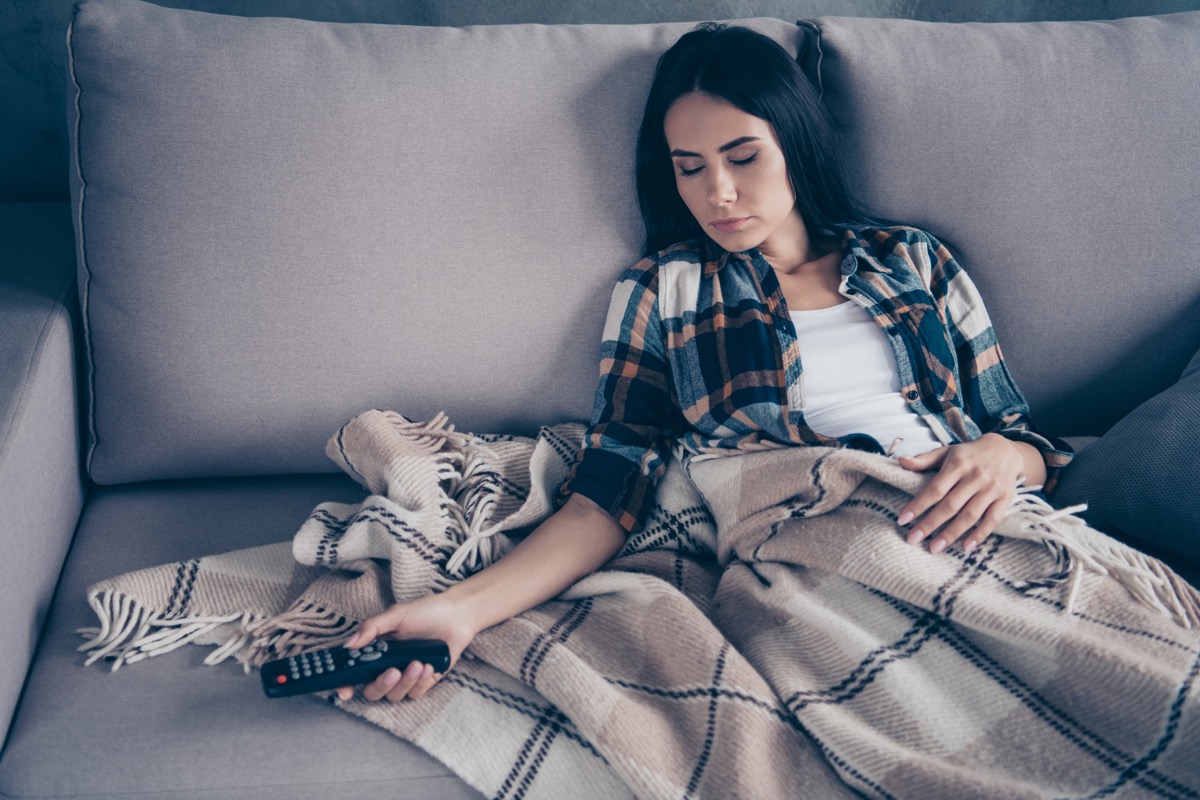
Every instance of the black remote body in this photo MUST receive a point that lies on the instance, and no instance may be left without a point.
(339, 666)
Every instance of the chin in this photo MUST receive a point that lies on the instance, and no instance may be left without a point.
(736, 242)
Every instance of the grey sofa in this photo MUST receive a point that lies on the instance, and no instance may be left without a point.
(278, 224)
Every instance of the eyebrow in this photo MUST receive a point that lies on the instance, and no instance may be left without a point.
(723, 148)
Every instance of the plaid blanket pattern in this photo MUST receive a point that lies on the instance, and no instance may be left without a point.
(768, 633)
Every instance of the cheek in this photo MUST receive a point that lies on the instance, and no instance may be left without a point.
(770, 193)
(687, 193)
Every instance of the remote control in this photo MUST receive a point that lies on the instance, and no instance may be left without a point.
(339, 666)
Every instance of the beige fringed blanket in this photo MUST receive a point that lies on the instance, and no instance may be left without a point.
(768, 635)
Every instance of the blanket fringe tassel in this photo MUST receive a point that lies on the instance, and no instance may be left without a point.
(130, 632)
(1146, 579)
(303, 628)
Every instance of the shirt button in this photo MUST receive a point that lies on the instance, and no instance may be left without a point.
(912, 394)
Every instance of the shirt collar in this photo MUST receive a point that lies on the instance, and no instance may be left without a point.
(715, 257)
(856, 245)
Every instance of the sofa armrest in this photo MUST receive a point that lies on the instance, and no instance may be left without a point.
(41, 483)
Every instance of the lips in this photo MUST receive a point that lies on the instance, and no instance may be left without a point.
(729, 224)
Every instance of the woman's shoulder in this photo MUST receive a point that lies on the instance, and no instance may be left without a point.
(680, 255)
(907, 244)
(889, 236)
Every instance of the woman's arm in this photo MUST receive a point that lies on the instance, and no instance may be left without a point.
(574, 542)
(609, 489)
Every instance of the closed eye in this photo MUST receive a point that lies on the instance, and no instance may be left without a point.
(686, 173)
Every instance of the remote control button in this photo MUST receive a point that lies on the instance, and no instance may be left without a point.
(381, 646)
(351, 662)
(281, 679)
(355, 653)
(371, 656)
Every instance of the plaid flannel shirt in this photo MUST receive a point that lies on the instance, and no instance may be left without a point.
(699, 353)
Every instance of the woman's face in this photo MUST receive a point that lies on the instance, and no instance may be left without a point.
(731, 174)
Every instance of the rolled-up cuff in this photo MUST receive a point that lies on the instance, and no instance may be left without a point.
(1055, 452)
(615, 484)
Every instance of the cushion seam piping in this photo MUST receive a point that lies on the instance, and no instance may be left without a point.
(85, 287)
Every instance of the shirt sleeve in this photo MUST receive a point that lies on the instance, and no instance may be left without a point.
(989, 393)
(628, 442)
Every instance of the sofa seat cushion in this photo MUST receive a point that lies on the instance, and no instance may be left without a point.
(170, 727)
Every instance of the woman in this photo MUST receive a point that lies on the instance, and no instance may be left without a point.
(756, 254)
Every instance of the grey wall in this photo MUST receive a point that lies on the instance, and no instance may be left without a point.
(33, 152)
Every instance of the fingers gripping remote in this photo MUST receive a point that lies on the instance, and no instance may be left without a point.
(339, 666)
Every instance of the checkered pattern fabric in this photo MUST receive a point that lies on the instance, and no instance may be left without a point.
(699, 348)
(767, 634)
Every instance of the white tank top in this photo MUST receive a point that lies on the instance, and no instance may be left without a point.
(851, 381)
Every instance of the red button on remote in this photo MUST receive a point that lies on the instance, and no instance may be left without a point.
(281, 678)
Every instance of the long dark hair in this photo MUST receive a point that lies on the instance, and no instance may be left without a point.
(757, 75)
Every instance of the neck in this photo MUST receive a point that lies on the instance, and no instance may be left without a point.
(791, 250)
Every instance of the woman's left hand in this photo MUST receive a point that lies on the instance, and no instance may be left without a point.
(973, 489)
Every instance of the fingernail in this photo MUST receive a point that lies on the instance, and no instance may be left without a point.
(425, 673)
(391, 676)
(938, 546)
(905, 518)
(969, 546)
(915, 536)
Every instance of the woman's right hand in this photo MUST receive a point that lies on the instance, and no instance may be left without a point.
(572, 543)
(435, 616)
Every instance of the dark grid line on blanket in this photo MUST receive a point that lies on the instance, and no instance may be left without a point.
(1028, 590)
(559, 633)
(548, 713)
(847, 770)
(543, 736)
(772, 707)
(430, 552)
(798, 507)
(666, 529)
(1023, 588)
(710, 731)
(566, 449)
(1088, 741)
(906, 646)
(181, 592)
(341, 446)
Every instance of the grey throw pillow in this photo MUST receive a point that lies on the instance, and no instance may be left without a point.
(1141, 480)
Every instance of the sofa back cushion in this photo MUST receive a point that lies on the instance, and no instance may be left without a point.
(283, 223)
(1060, 161)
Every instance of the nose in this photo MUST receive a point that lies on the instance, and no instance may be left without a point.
(721, 187)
